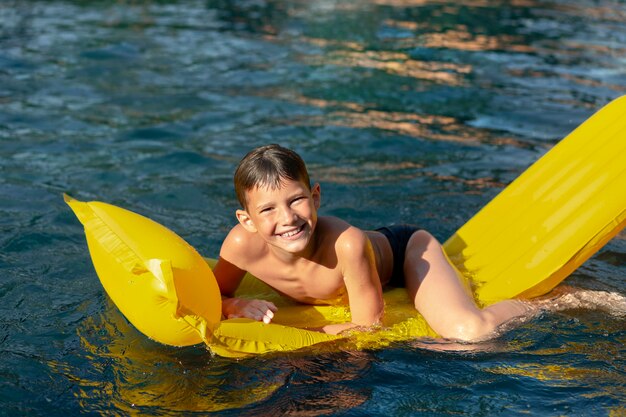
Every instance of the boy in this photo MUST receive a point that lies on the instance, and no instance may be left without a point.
(324, 260)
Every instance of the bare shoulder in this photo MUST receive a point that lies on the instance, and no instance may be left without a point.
(347, 240)
(240, 246)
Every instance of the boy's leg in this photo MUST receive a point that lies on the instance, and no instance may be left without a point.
(440, 296)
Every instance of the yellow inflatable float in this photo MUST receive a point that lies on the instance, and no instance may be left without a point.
(522, 244)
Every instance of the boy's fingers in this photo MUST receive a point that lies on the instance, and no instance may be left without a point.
(266, 316)
(267, 305)
(259, 310)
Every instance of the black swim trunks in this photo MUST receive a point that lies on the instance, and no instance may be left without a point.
(398, 237)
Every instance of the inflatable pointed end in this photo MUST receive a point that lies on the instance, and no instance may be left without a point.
(81, 209)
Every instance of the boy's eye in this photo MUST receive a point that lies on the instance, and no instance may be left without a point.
(266, 210)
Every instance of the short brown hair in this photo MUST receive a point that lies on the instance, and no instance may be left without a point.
(268, 166)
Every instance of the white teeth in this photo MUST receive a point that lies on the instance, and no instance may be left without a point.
(292, 233)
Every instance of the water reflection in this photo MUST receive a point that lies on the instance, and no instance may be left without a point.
(369, 172)
(564, 376)
(396, 63)
(590, 363)
(462, 38)
(151, 103)
(331, 43)
(118, 369)
(264, 16)
(322, 384)
(361, 116)
(430, 127)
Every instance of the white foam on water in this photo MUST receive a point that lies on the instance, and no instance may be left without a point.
(572, 298)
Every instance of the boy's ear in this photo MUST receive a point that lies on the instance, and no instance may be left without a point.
(316, 193)
(245, 220)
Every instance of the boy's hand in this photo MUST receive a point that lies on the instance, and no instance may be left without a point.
(259, 310)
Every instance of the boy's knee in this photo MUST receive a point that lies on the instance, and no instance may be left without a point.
(422, 240)
(471, 328)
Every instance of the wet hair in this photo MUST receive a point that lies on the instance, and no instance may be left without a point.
(268, 166)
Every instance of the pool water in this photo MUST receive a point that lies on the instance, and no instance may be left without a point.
(405, 111)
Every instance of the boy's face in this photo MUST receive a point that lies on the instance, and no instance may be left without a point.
(284, 217)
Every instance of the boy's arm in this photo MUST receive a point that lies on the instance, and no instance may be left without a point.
(356, 257)
(229, 276)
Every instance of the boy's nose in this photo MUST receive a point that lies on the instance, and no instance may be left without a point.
(287, 216)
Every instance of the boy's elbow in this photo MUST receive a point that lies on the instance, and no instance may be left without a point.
(371, 322)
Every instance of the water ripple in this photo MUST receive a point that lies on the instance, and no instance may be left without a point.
(406, 111)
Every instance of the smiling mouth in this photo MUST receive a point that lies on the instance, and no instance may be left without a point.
(291, 233)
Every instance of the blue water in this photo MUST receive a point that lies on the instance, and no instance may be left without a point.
(406, 111)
